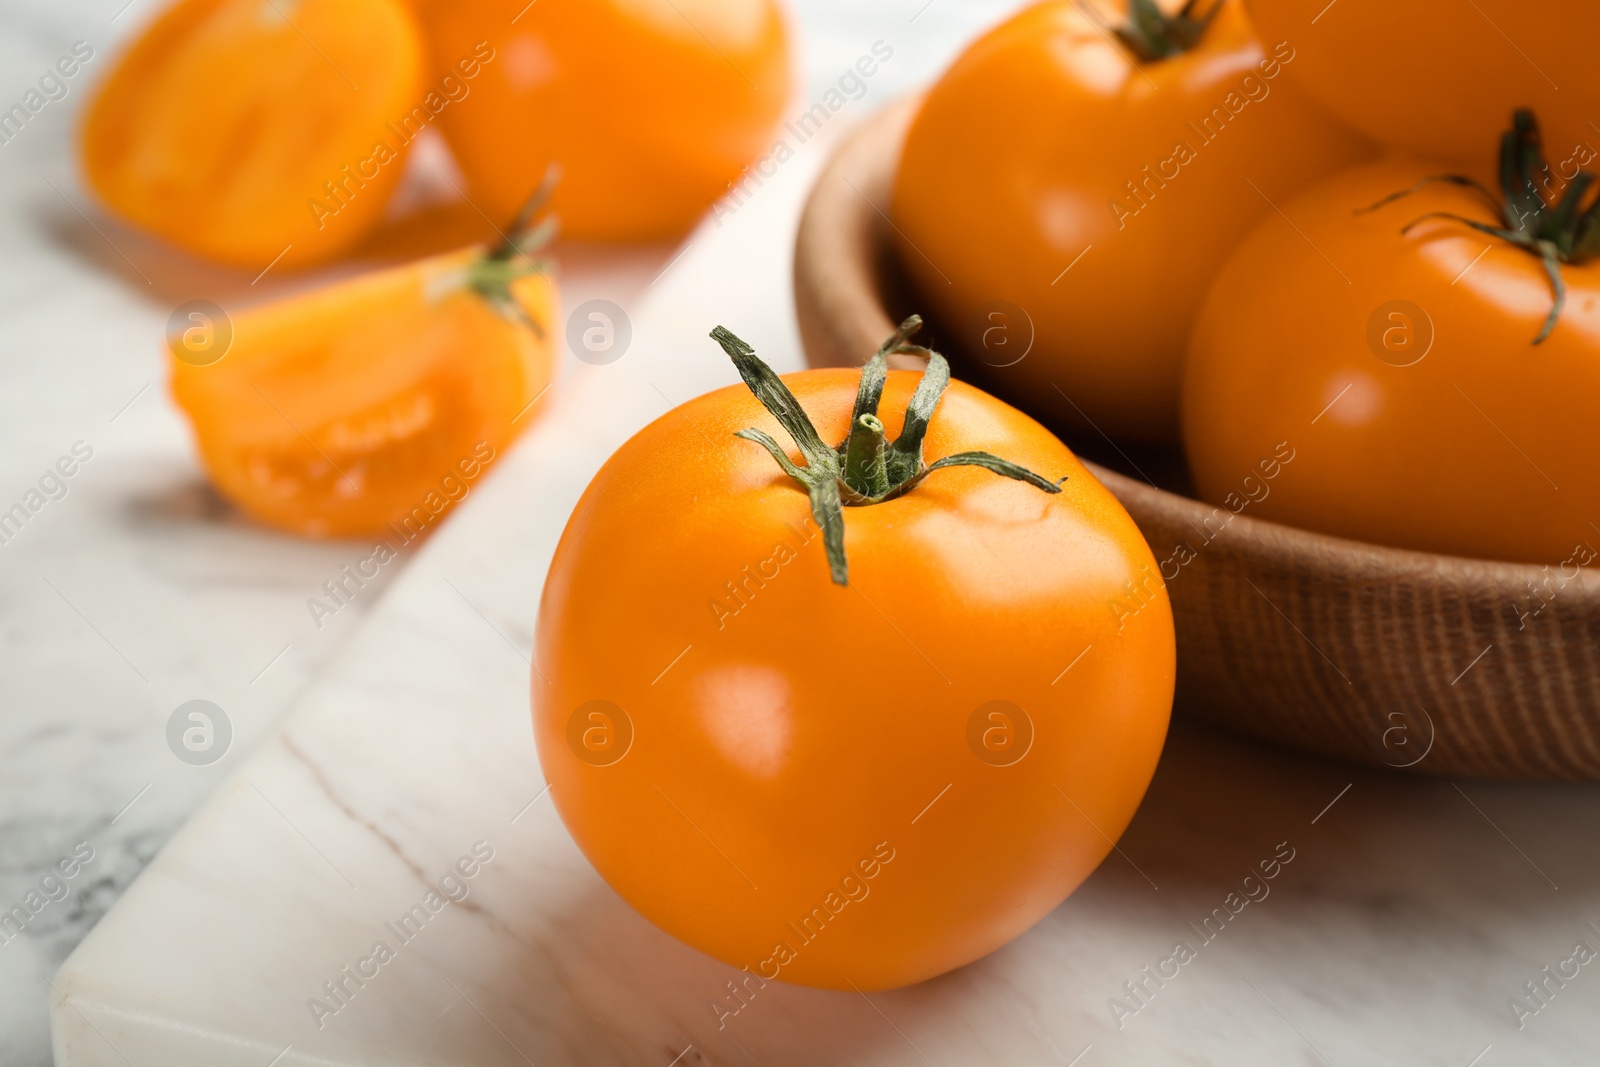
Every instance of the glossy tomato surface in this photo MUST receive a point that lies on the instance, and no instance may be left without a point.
(650, 107)
(254, 133)
(840, 785)
(1401, 371)
(369, 407)
(1441, 78)
(1065, 206)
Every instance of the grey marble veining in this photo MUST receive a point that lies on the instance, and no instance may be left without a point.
(133, 588)
(1412, 917)
(1325, 915)
(1330, 915)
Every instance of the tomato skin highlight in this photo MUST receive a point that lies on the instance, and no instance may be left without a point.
(648, 129)
(784, 728)
(221, 127)
(1439, 78)
(368, 408)
(1481, 447)
(1049, 170)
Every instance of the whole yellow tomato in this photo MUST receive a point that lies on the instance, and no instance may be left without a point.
(1439, 77)
(650, 107)
(865, 755)
(1066, 195)
(1434, 384)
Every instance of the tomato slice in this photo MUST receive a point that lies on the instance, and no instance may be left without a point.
(245, 130)
(370, 405)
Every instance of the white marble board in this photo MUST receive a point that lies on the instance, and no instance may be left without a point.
(1412, 913)
(138, 589)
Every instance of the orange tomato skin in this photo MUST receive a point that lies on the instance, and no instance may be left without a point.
(370, 407)
(222, 126)
(648, 127)
(782, 746)
(1483, 447)
(1440, 78)
(1016, 167)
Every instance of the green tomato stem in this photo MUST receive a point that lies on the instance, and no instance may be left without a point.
(1153, 35)
(1566, 231)
(864, 469)
(492, 274)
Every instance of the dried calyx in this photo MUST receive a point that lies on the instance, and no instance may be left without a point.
(865, 468)
(1559, 231)
(492, 275)
(1151, 34)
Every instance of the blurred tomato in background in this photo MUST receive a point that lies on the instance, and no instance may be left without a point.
(1084, 179)
(650, 107)
(1440, 77)
(219, 126)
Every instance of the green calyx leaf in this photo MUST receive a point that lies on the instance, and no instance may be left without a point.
(865, 468)
(1559, 229)
(492, 275)
(1151, 34)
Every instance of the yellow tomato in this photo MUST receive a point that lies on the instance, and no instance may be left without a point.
(1401, 373)
(650, 107)
(855, 778)
(1440, 77)
(1059, 191)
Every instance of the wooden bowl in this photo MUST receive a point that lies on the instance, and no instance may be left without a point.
(1378, 655)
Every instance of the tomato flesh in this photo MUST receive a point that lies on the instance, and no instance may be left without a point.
(228, 119)
(367, 406)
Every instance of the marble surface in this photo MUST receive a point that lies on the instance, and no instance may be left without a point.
(1401, 917)
(1411, 914)
(139, 590)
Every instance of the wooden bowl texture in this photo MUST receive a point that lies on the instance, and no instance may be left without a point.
(1378, 655)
